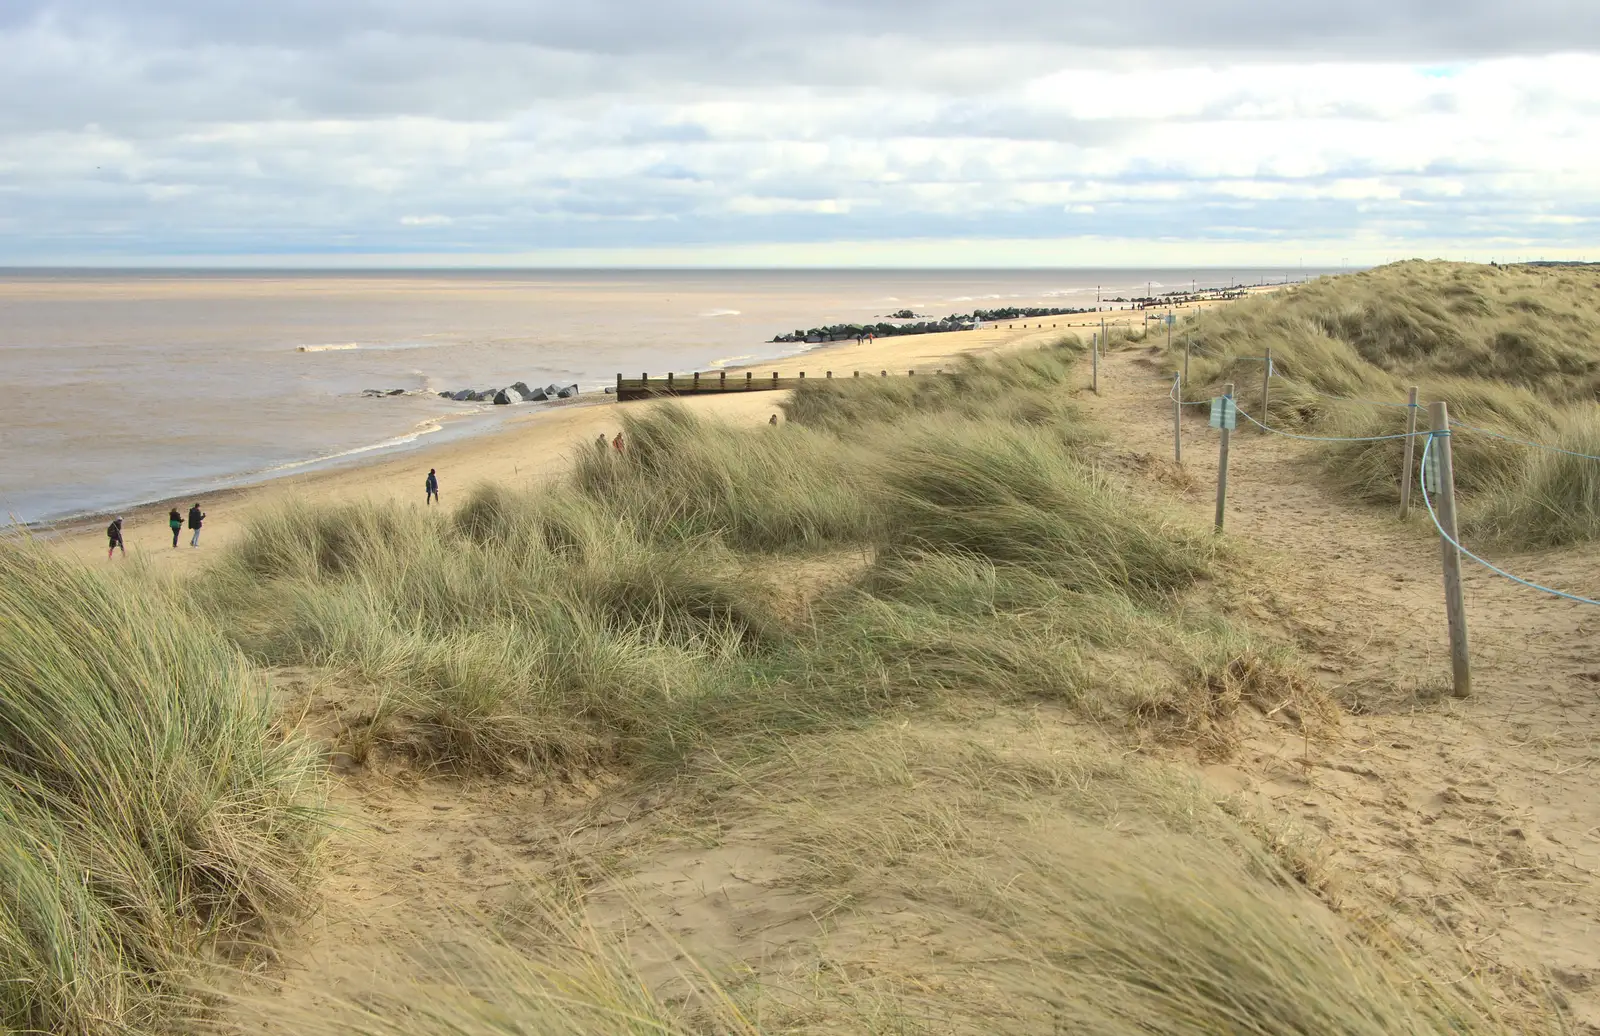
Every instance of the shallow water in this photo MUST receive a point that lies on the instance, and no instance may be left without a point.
(129, 387)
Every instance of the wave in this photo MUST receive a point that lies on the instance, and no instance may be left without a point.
(373, 347)
(720, 313)
(425, 428)
(340, 347)
(730, 361)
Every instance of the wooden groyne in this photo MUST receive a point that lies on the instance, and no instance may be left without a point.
(698, 383)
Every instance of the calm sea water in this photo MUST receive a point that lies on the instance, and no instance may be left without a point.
(130, 387)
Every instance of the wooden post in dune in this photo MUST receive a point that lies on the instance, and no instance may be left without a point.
(1222, 463)
(774, 379)
(1411, 448)
(619, 384)
(722, 381)
(1455, 604)
(830, 374)
(1186, 363)
(1266, 388)
(857, 374)
(1094, 364)
(697, 381)
(1177, 425)
(749, 380)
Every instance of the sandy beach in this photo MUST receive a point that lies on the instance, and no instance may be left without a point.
(532, 447)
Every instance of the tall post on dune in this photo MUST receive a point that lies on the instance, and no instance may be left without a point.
(1185, 363)
(1094, 364)
(1266, 388)
(1177, 424)
(1454, 603)
(1222, 461)
(1411, 449)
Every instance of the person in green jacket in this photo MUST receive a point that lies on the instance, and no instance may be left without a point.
(175, 521)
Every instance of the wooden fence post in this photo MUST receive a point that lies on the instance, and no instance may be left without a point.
(1177, 426)
(857, 374)
(697, 381)
(1094, 364)
(1411, 449)
(774, 379)
(1222, 461)
(619, 384)
(1185, 364)
(1266, 388)
(830, 374)
(669, 381)
(749, 380)
(722, 381)
(1455, 605)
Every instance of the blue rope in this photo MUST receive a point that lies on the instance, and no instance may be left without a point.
(1423, 478)
(1331, 438)
(1524, 442)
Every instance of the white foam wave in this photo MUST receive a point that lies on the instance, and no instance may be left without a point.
(730, 361)
(425, 428)
(329, 348)
(720, 313)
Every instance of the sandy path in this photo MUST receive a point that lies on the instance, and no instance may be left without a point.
(1475, 820)
(530, 448)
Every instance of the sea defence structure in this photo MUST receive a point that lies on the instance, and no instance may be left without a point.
(698, 383)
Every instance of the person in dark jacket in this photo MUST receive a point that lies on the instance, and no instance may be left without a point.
(432, 485)
(114, 534)
(175, 521)
(196, 517)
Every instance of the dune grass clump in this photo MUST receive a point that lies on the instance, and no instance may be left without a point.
(148, 804)
(687, 477)
(1016, 388)
(543, 631)
(1013, 495)
(1554, 499)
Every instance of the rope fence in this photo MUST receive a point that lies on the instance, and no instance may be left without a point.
(1435, 468)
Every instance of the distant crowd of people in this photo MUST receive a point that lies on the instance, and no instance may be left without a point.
(175, 521)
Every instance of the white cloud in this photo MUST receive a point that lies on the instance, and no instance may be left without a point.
(186, 135)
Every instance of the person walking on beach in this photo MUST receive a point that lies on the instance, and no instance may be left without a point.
(196, 517)
(432, 486)
(616, 444)
(114, 534)
(175, 521)
(601, 442)
(773, 420)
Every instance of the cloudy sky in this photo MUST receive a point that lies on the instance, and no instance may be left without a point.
(797, 132)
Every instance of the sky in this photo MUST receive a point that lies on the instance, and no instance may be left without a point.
(796, 132)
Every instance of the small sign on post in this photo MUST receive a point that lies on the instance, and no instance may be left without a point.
(1224, 413)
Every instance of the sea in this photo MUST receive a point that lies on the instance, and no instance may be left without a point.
(126, 387)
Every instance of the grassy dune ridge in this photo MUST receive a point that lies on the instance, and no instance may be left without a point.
(648, 608)
(1511, 349)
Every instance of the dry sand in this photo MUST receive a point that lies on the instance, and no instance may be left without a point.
(530, 448)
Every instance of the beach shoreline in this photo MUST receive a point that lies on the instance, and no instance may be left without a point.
(526, 447)
(539, 443)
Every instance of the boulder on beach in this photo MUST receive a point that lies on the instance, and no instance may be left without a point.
(463, 395)
(395, 392)
(447, 395)
(567, 392)
(505, 397)
(522, 389)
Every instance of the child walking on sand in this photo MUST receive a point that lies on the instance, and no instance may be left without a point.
(175, 521)
(114, 534)
(432, 486)
(196, 517)
(616, 443)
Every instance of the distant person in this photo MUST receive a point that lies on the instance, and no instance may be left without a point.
(175, 521)
(773, 420)
(114, 534)
(616, 444)
(196, 518)
(601, 442)
(432, 486)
